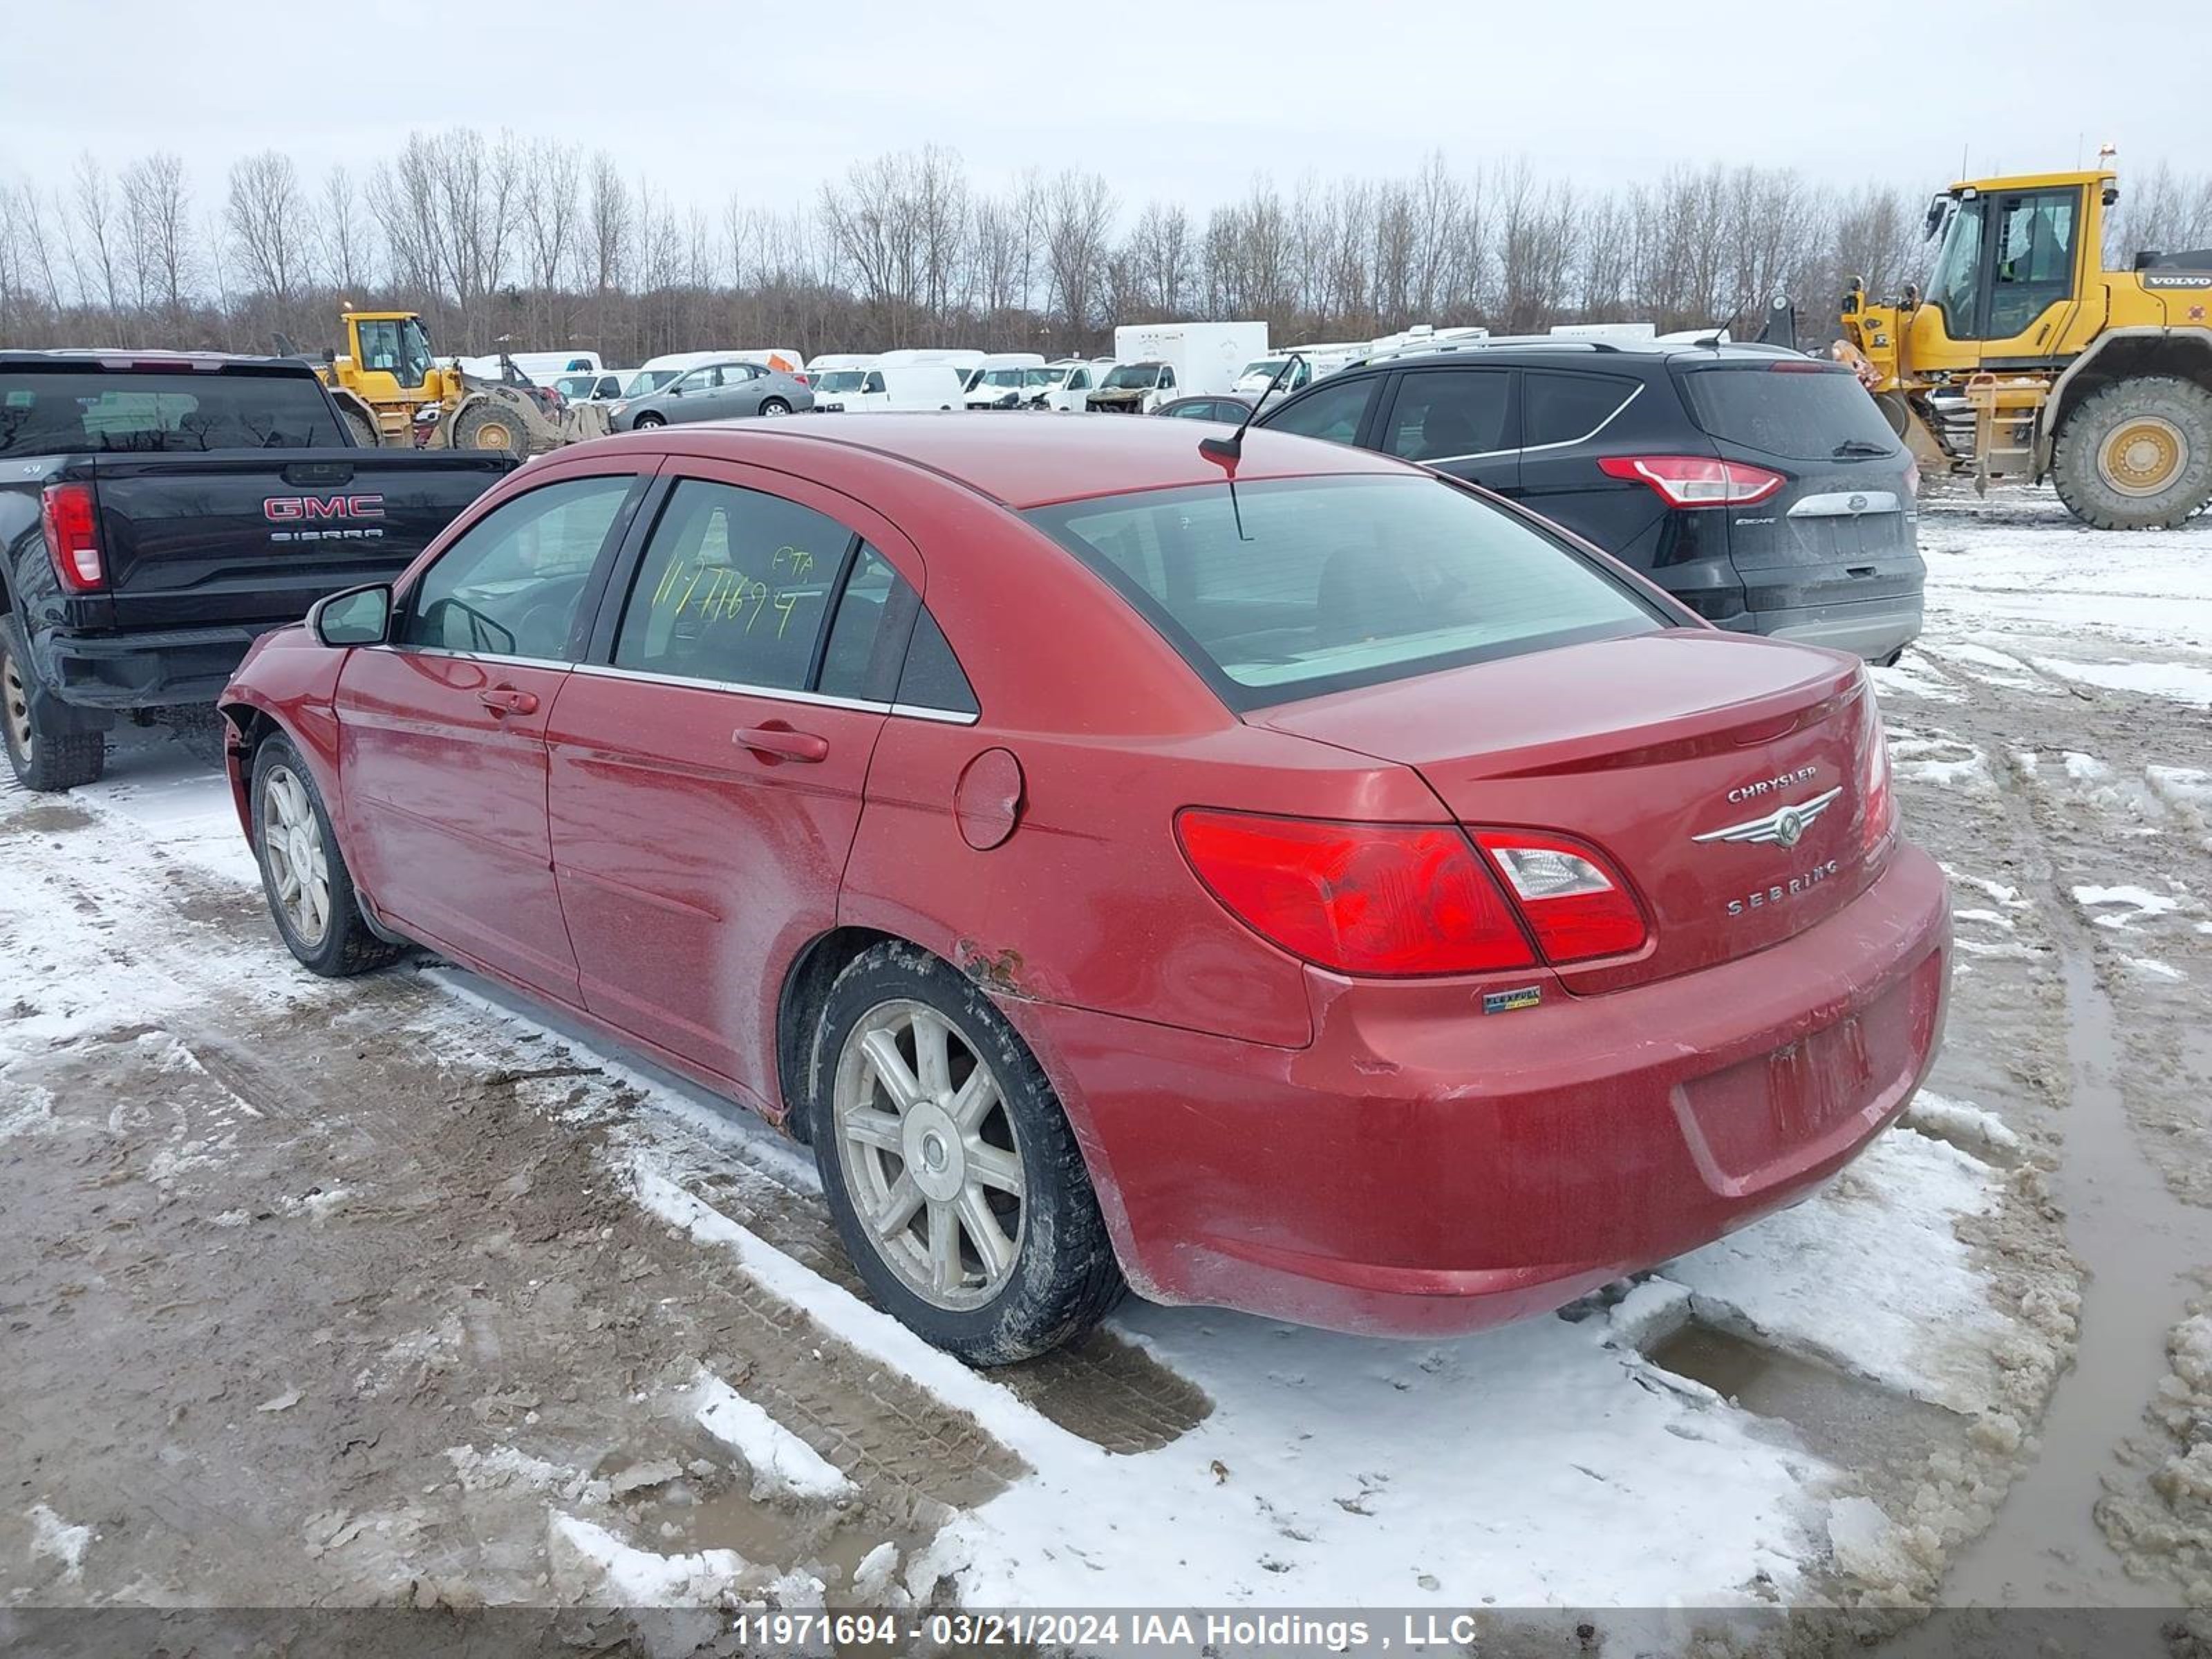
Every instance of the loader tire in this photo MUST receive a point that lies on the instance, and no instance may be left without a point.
(2137, 455)
(488, 426)
(362, 429)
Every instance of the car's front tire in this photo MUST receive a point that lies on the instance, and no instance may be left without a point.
(310, 890)
(40, 758)
(950, 1169)
(646, 421)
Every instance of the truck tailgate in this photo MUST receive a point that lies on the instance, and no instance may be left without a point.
(251, 537)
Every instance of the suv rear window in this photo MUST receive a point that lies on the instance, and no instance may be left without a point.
(1292, 587)
(1802, 412)
(130, 412)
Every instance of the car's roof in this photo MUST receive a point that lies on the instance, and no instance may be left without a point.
(129, 357)
(1627, 353)
(1025, 463)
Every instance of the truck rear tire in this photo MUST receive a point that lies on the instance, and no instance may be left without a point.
(41, 759)
(2137, 455)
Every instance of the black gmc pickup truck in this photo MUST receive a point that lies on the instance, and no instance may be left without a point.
(158, 511)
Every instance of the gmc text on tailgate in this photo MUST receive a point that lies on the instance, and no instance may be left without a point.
(158, 512)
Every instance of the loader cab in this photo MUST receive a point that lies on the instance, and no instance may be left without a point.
(2008, 269)
(392, 345)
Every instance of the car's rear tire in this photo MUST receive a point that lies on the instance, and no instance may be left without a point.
(2137, 455)
(40, 758)
(775, 406)
(310, 890)
(981, 1231)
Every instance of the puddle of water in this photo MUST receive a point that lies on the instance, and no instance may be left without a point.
(2139, 1244)
(1845, 1418)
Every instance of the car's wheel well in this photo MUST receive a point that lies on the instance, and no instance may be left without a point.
(251, 724)
(806, 993)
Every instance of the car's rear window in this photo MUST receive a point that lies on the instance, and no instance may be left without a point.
(1292, 587)
(1802, 412)
(45, 413)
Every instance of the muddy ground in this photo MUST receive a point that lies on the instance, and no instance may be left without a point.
(390, 1292)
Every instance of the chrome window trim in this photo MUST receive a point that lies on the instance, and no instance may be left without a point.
(402, 647)
(1837, 503)
(818, 699)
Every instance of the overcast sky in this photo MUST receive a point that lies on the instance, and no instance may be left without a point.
(1180, 100)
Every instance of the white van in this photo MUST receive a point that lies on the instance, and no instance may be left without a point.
(598, 385)
(957, 357)
(999, 383)
(887, 386)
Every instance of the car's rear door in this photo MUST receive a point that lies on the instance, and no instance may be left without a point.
(441, 731)
(708, 761)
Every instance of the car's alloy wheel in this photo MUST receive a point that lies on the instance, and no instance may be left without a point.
(299, 865)
(948, 1164)
(930, 1154)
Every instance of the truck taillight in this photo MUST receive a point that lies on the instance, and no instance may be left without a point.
(1696, 480)
(71, 520)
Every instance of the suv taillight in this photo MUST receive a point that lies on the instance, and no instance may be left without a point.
(1695, 480)
(72, 521)
(1385, 900)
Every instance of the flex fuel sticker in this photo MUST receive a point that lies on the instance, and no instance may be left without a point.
(1505, 1002)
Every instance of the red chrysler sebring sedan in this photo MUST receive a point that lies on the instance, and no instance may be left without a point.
(1287, 879)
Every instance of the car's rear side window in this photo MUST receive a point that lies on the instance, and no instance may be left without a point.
(734, 587)
(43, 412)
(1799, 410)
(1291, 587)
(1565, 408)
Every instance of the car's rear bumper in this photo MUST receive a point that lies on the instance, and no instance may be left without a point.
(1422, 1168)
(1873, 628)
(96, 675)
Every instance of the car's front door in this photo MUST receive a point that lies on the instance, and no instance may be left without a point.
(1459, 420)
(692, 397)
(708, 761)
(441, 731)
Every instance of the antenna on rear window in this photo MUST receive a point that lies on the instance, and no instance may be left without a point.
(1229, 450)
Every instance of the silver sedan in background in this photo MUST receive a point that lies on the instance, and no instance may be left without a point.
(715, 391)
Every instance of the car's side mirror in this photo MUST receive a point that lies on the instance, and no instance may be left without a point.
(676, 391)
(359, 616)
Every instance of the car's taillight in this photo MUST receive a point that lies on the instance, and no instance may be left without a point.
(72, 526)
(1695, 480)
(1878, 822)
(1912, 482)
(1377, 899)
(1577, 904)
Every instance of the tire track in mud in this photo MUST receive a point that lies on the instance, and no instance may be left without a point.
(450, 1213)
(2140, 1243)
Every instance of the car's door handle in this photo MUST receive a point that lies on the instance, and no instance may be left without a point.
(506, 700)
(775, 743)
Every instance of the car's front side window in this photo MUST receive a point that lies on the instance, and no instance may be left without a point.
(733, 588)
(514, 583)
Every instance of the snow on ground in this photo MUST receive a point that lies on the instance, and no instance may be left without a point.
(1327, 1461)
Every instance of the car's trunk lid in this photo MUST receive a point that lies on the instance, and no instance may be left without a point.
(1658, 750)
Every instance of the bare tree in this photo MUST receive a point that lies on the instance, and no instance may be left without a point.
(93, 251)
(342, 234)
(1078, 220)
(264, 218)
(157, 210)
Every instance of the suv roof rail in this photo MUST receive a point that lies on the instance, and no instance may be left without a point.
(1496, 342)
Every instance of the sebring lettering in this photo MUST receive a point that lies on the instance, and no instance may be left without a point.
(1782, 892)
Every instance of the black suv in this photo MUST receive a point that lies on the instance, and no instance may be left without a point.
(1761, 488)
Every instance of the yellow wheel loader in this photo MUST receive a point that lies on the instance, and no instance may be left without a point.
(394, 392)
(2025, 358)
